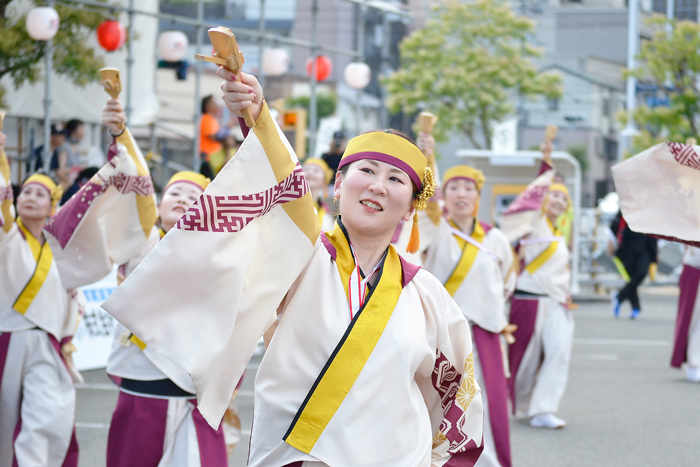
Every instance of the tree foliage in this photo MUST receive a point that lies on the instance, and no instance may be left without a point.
(672, 64)
(22, 58)
(325, 104)
(466, 66)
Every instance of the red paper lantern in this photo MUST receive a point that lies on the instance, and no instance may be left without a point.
(324, 67)
(111, 35)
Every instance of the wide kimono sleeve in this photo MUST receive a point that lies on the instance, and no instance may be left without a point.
(659, 192)
(524, 214)
(107, 221)
(453, 396)
(211, 287)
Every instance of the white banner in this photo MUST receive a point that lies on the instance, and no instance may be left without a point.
(94, 335)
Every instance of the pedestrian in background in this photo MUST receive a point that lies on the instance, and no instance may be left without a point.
(638, 253)
(333, 156)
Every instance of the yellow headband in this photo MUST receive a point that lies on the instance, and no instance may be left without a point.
(55, 191)
(322, 164)
(465, 172)
(560, 187)
(190, 177)
(392, 149)
(402, 154)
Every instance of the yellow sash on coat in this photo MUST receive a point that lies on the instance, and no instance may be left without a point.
(537, 263)
(466, 262)
(43, 257)
(354, 349)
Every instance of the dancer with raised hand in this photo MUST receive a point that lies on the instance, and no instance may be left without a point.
(364, 343)
(475, 262)
(155, 422)
(43, 257)
(541, 354)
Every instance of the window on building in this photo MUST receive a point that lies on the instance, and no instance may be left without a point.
(682, 9)
(553, 104)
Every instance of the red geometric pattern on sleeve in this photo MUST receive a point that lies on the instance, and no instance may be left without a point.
(142, 185)
(446, 381)
(232, 213)
(685, 155)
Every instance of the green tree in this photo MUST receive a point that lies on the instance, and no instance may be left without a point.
(21, 57)
(325, 104)
(580, 153)
(466, 66)
(672, 63)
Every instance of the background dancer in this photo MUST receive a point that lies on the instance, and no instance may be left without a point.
(475, 262)
(686, 344)
(155, 422)
(541, 355)
(40, 264)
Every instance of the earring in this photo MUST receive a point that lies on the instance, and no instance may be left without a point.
(336, 197)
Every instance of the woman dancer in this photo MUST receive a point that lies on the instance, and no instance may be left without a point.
(686, 346)
(40, 264)
(155, 422)
(365, 344)
(541, 355)
(475, 262)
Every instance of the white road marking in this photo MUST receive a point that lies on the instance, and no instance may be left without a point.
(640, 342)
(98, 426)
(601, 357)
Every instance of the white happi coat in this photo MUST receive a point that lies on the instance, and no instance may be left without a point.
(428, 410)
(425, 336)
(490, 281)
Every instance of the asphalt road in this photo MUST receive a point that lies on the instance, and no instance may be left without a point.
(624, 405)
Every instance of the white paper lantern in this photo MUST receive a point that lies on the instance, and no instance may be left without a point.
(172, 46)
(42, 23)
(357, 75)
(275, 61)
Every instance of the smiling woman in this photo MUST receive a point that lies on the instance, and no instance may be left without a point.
(388, 351)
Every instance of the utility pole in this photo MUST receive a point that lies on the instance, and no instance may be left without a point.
(632, 50)
(313, 111)
(197, 82)
(261, 45)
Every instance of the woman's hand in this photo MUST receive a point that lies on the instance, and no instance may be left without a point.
(243, 94)
(113, 117)
(426, 143)
(547, 148)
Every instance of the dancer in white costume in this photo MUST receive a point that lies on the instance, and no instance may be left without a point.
(155, 422)
(371, 361)
(475, 262)
(541, 355)
(108, 220)
(686, 345)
